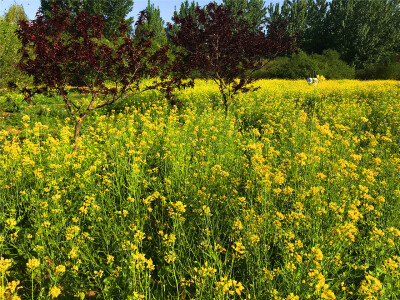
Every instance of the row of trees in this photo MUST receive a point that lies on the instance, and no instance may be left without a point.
(363, 32)
(112, 10)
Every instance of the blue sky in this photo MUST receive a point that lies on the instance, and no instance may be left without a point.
(167, 7)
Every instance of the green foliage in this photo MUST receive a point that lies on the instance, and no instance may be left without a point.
(315, 37)
(334, 67)
(9, 52)
(154, 24)
(301, 65)
(15, 13)
(253, 11)
(113, 11)
(187, 9)
(364, 31)
(295, 12)
(388, 68)
(11, 102)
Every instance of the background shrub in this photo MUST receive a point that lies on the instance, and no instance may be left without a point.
(388, 68)
(301, 65)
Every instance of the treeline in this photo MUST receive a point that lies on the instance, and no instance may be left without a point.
(338, 38)
(364, 33)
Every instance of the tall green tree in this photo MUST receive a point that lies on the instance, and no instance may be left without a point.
(113, 11)
(316, 36)
(10, 45)
(253, 11)
(293, 11)
(364, 31)
(155, 24)
(187, 8)
(15, 14)
(9, 52)
(74, 6)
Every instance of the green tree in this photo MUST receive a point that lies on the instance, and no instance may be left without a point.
(74, 5)
(15, 14)
(187, 8)
(113, 10)
(293, 11)
(253, 11)
(316, 36)
(364, 31)
(9, 52)
(155, 24)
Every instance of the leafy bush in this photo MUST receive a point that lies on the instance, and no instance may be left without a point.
(388, 68)
(301, 65)
(12, 102)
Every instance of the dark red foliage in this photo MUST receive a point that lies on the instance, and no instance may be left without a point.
(226, 50)
(69, 50)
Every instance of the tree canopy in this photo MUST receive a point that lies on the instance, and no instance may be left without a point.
(62, 48)
(15, 13)
(154, 24)
(113, 11)
(252, 11)
(9, 51)
(362, 32)
(227, 49)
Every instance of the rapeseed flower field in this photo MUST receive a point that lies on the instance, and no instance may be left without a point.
(294, 194)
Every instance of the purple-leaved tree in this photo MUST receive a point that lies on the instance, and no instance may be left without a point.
(71, 49)
(226, 50)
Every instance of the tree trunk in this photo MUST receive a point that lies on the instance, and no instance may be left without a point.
(78, 125)
(225, 100)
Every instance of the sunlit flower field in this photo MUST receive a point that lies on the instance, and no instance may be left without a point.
(294, 194)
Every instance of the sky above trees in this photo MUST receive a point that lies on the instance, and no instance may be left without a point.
(166, 6)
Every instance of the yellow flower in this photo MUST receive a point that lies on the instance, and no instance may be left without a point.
(370, 286)
(54, 292)
(170, 257)
(11, 222)
(136, 296)
(318, 253)
(4, 264)
(254, 238)
(239, 248)
(60, 269)
(110, 259)
(32, 264)
(328, 295)
(292, 297)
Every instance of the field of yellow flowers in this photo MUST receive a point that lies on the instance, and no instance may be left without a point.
(294, 194)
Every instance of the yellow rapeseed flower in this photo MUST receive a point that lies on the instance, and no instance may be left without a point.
(60, 269)
(318, 253)
(5, 264)
(54, 292)
(33, 263)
